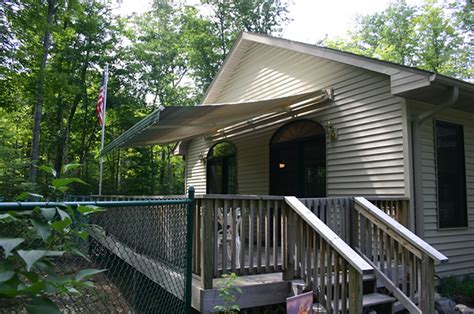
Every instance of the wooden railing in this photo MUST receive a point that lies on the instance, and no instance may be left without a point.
(403, 262)
(277, 234)
(323, 260)
(334, 212)
(252, 242)
(397, 208)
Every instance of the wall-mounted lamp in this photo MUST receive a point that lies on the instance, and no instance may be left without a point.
(202, 158)
(281, 165)
(331, 132)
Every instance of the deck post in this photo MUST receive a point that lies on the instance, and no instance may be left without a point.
(427, 284)
(289, 270)
(189, 249)
(207, 254)
(354, 226)
(355, 291)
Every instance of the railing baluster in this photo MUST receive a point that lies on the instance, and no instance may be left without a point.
(315, 262)
(275, 235)
(404, 271)
(267, 236)
(289, 270)
(233, 255)
(307, 254)
(217, 272)
(329, 275)
(259, 236)
(322, 273)
(243, 235)
(224, 236)
(336, 283)
(251, 235)
(344, 287)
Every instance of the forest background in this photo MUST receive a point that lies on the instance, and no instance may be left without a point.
(53, 52)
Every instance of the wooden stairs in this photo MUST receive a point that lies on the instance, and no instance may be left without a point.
(352, 255)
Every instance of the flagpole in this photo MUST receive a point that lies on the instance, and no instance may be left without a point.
(103, 127)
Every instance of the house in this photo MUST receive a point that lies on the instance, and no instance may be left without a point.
(293, 119)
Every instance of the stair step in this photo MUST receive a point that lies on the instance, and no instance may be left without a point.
(368, 300)
(374, 299)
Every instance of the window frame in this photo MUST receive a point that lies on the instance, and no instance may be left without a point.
(460, 127)
(225, 165)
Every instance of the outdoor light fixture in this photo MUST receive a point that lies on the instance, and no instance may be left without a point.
(281, 165)
(202, 158)
(331, 132)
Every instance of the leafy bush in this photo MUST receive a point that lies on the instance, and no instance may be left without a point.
(31, 243)
(229, 293)
(460, 290)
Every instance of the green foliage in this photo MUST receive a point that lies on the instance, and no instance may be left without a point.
(460, 290)
(167, 56)
(32, 241)
(229, 293)
(431, 36)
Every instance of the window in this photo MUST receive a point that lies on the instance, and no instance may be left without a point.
(298, 160)
(222, 169)
(451, 175)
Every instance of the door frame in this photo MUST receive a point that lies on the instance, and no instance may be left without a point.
(300, 143)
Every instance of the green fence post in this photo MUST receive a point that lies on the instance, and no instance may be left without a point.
(189, 253)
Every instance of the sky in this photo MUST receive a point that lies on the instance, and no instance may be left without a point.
(311, 21)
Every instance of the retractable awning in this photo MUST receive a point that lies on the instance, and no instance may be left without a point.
(177, 123)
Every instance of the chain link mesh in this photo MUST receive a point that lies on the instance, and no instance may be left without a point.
(144, 250)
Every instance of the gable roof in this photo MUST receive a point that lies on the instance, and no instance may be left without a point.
(405, 81)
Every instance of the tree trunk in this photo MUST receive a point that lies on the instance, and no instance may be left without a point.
(35, 146)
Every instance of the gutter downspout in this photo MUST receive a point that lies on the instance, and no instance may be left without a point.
(417, 162)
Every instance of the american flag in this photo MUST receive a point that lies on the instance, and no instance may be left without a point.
(100, 108)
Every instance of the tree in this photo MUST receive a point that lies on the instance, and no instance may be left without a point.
(35, 144)
(431, 36)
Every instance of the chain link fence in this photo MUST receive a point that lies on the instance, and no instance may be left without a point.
(143, 245)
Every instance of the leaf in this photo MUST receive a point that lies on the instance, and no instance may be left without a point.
(89, 209)
(45, 266)
(42, 306)
(63, 214)
(42, 229)
(24, 195)
(6, 216)
(85, 273)
(48, 213)
(49, 170)
(32, 256)
(8, 291)
(83, 234)
(68, 167)
(60, 225)
(6, 275)
(73, 290)
(79, 253)
(59, 183)
(9, 244)
(34, 288)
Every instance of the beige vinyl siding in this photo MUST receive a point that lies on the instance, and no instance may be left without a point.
(456, 244)
(366, 159)
(406, 80)
(195, 167)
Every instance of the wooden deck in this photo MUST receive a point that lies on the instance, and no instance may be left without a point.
(257, 290)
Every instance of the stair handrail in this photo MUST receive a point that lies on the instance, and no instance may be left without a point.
(330, 236)
(401, 230)
(338, 262)
(417, 293)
